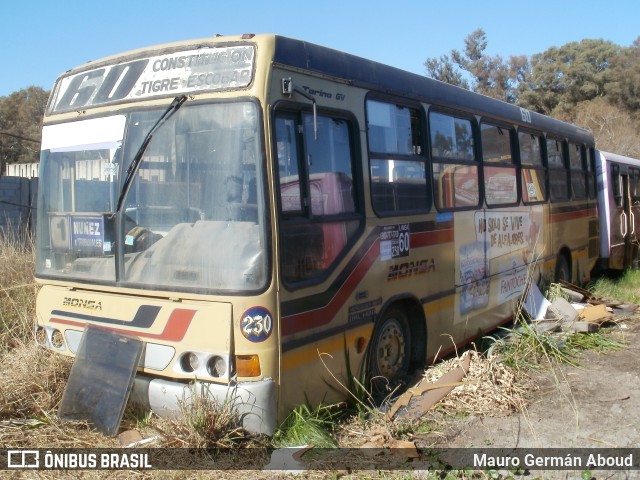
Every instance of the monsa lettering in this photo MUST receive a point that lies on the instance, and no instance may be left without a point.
(407, 269)
(81, 303)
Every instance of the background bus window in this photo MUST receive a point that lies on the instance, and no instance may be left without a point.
(533, 178)
(397, 167)
(500, 181)
(318, 204)
(577, 165)
(455, 169)
(634, 186)
(616, 184)
(558, 172)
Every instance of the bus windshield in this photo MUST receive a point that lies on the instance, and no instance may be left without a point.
(192, 218)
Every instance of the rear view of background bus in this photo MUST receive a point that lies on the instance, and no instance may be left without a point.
(619, 200)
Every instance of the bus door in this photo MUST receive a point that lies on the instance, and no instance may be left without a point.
(634, 216)
(624, 233)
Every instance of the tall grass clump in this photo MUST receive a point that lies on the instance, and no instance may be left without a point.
(204, 422)
(624, 289)
(17, 288)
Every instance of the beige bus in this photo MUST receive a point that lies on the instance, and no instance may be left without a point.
(258, 209)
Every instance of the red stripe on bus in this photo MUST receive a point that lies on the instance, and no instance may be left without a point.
(323, 315)
(564, 216)
(174, 330)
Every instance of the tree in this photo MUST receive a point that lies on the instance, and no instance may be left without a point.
(562, 77)
(20, 125)
(476, 71)
(444, 70)
(624, 89)
(613, 127)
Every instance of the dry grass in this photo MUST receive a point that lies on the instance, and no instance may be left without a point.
(17, 290)
(203, 423)
(490, 387)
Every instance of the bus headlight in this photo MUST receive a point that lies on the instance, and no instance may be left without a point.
(216, 366)
(190, 362)
(57, 339)
(41, 336)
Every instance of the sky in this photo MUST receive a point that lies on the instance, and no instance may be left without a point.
(43, 38)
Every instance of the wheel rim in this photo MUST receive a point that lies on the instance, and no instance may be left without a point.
(391, 347)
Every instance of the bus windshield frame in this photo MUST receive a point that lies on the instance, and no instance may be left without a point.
(193, 218)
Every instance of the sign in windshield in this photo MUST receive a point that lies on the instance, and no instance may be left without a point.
(203, 69)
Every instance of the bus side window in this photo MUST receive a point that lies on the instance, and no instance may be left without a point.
(616, 183)
(500, 181)
(397, 165)
(578, 167)
(534, 176)
(455, 166)
(558, 171)
(318, 207)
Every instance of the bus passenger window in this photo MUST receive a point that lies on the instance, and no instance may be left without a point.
(558, 172)
(500, 181)
(397, 165)
(578, 173)
(534, 175)
(455, 166)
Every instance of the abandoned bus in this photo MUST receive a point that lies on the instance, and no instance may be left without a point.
(619, 208)
(259, 211)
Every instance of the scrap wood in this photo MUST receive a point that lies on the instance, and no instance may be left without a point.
(587, 294)
(595, 314)
(434, 392)
(382, 443)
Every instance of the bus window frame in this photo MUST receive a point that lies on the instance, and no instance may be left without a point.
(477, 162)
(305, 216)
(580, 173)
(592, 173)
(418, 157)
(515, 163)
(543, 168)
(565, 169)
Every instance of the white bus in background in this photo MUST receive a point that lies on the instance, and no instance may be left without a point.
(619, 205)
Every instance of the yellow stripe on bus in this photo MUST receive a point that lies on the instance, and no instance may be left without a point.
(332, 346)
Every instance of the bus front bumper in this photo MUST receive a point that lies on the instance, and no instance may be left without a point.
(255, 402)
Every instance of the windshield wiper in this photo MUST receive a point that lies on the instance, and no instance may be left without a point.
(137, 159)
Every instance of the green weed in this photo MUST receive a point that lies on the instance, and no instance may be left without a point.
(624, 289)
(307, 426)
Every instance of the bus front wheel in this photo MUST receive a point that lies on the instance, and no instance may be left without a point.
(390, 349)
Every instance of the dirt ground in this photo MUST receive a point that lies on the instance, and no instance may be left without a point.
(596, 405)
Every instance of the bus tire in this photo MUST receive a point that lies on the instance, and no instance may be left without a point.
(390, 348)
(563, 270)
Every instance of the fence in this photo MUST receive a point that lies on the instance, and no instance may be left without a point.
(18, 204)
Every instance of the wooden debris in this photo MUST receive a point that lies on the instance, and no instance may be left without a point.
(434, 392)
(128, 437)
(595, 313)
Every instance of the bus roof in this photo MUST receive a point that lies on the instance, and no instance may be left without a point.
(368, 74)
(376, 76)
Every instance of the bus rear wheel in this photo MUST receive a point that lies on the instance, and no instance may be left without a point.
(563, 270)
(390, 349)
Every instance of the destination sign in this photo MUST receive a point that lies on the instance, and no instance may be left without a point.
(87, 234)
(203, 69)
